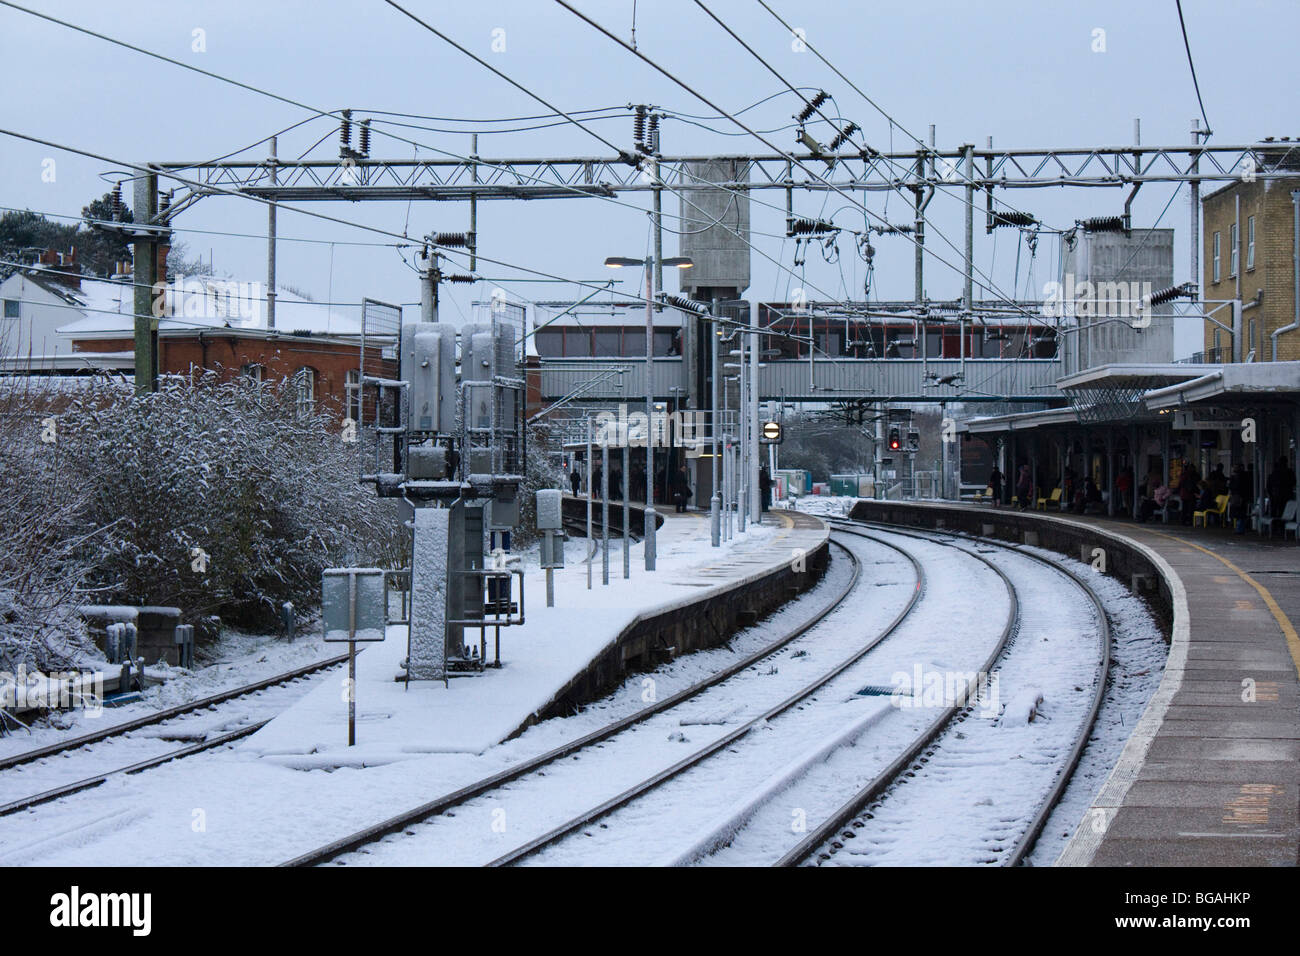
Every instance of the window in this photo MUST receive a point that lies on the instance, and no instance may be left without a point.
(252, 372)
(607, 342)
(633, 341)
(1233, 237)
(12, 307)
(1217, 273)
(1250, 242)
(550, 343)
(577, 343)
(304, 386)
(830, 343)
(352, 395)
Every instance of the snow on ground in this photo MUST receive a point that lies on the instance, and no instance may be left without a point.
(233, 660)
(540, 657)
(233, 807)
(1138, 655)
(989, 771)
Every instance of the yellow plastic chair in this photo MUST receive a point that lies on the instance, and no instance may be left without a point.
(1054, 498)
(1220, 508)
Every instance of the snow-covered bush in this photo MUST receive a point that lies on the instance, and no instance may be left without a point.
(220, 498)
(43, 536)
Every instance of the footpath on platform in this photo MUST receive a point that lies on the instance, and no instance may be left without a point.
(396, 720)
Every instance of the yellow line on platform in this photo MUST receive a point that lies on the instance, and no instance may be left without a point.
(1288, 629)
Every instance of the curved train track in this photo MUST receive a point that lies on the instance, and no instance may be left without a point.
(848, 814)
(817, 846)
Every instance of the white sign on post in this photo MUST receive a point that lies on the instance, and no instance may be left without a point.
(354, 607)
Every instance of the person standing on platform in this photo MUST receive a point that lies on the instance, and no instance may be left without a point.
(764, 487)
(1024, 485)
(681, 489)
(996, 479)
(575, 480)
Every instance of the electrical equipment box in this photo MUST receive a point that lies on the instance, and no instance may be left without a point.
(427, 463)
(504, 509)
(429, 365)
(549, 514)
(551, 550)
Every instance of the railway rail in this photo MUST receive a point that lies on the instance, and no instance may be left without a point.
(816, 842)
(401, 822)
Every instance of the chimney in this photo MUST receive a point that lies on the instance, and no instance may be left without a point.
(62, 267)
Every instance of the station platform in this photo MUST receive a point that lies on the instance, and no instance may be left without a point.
(1211, 775)
(543, 658)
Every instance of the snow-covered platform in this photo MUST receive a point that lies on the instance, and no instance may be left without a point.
(1211, 773)
(560, 655)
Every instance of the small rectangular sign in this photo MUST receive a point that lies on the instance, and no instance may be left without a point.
(354, 604)
(1207, 419)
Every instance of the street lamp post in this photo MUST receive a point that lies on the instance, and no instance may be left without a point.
(715, 502)
(681, 262)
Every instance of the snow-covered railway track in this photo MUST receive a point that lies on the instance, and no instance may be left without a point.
(365, 840)
(89, 760)
(640, 796)
(923, 807)
(683, 815)
(170, 713)
(86, 783)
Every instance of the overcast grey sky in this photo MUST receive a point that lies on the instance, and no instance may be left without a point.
(1025, 73)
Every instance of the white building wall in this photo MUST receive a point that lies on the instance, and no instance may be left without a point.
(40, 314)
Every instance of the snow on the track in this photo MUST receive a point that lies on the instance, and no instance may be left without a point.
(234, 660)
(230, 807)
(984, 778)
(667, 822)
(1138, 654)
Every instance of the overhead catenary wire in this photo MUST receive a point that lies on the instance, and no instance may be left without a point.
(323, 113)
(1192, 65)
(338, 114)
(892, 124)
(814, 105)
(783, 153)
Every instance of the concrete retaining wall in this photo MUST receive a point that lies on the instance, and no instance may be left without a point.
(708, 621)
(1124, 560)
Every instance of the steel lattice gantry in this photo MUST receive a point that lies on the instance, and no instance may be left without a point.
(457, 177)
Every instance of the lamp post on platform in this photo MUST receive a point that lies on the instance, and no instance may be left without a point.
(680, 262)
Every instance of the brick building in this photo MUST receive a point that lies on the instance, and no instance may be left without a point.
(1249, 233)
(312, 349)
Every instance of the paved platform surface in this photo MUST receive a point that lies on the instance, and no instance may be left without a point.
(1220, 784)
(1217, 783)
(396, 722)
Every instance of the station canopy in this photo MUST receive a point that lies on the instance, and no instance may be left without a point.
(1117, 393)
(1238, 386)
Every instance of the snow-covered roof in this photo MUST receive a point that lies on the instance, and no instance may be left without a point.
(206, 303)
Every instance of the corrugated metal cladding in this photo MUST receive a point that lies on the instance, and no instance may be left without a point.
(829, 380)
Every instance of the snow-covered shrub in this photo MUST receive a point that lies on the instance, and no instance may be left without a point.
(218, 498)
(43, 535)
